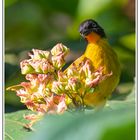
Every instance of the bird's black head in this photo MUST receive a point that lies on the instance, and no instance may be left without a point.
(89, 26)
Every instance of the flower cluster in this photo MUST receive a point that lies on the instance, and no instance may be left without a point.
(77, 81)
(42, 62)
(49, 89)
(37, 96)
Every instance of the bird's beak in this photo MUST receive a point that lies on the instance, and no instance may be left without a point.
(82, 35)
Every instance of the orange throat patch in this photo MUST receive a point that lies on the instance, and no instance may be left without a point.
(92, 37)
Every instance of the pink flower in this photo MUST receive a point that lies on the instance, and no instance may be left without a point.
(61, 107)
(31, 77)
(30, 117)
(93, 83)
(36, 80)
(26, 85)
(30, 104)
(42, 108)
(56, 104)
(21, 93)
(39, 54)
(49, 89)
(58, 87)
(73, 84)
(58, 61)
(99, 71)
(62, 76)
(96, 78)
(73, 71)
(26, 67)
(44, 78)
(87, 68)
(59, 49)
(46, 66)
(36, 64)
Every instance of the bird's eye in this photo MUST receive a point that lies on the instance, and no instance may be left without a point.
(92, 25)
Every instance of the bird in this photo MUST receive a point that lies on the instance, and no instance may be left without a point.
(101, 54)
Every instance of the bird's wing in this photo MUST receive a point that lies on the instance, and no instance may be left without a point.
(76, 62)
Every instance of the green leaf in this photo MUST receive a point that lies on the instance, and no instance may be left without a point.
(92, 8)
(114, 122)
(128, 41)
(14, 125)
(103, 125)
(128, 100)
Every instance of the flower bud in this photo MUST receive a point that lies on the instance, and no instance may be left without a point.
(39, 54)
(61, 107)
(72, 72)
(34, 117)
(58, 61)
(44, 78)
(22, 94)
(30, 105)
(73, 84)
(55, 104)
(87, 68)
(30, 117)
(98, 72)
(92, 82)
(106, 76)
(31, 77)
(26, 67)
(36, 65)
(58, 87)
(62, 77)
(59, 49)
(46, 66)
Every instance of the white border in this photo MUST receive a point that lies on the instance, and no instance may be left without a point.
(137, 4)
(1, 70)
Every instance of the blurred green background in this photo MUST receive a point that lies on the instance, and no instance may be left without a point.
(43, 23)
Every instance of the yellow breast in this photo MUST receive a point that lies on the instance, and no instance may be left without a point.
(102, 55)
